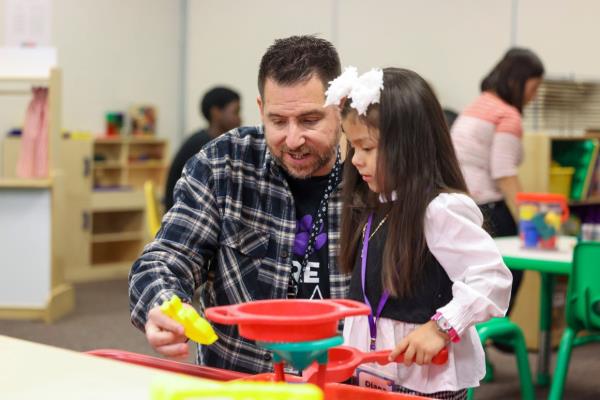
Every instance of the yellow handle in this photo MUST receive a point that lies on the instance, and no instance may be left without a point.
(196, 328)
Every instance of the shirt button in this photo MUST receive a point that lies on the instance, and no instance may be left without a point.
(284, 254)
(267, 356)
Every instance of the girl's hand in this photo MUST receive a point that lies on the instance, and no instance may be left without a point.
(421, 345)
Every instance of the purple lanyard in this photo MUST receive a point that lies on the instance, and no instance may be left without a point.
(384, 297)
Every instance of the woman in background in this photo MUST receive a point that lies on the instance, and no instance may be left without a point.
(487, 139)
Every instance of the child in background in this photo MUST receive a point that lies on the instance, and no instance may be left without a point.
(412, 238)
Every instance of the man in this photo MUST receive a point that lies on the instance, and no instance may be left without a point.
(245, 208)
(221, 108)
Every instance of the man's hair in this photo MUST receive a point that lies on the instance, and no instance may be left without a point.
(296, 58)
(217, 97)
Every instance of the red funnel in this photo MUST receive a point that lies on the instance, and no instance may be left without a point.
(287, 320)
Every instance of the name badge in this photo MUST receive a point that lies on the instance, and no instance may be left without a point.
(372, 380)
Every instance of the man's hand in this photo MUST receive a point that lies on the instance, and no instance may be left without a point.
(166, 336)
(421, 345)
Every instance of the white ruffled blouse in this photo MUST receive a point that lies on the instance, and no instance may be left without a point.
(480, 290)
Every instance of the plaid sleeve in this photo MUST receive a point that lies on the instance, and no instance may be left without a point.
(176, 262)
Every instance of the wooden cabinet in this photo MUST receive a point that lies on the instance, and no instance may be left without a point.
(32, 211)
(105, 179)
(542, 149)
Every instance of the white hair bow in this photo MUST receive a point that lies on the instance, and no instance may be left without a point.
(364, 90)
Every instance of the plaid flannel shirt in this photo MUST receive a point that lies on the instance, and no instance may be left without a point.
(234, 215)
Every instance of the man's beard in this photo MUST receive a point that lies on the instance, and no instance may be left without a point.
(320, 161)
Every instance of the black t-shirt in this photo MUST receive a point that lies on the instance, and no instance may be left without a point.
(188, 149)
(307, 196)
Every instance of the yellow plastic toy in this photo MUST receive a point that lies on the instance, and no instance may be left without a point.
(527, 212)
(196, 328)
(553, 219)
(182, 388)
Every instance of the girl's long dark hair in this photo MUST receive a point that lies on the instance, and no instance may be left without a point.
(416, 160)
(507, 79)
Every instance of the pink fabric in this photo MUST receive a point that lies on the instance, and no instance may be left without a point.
(33, 158)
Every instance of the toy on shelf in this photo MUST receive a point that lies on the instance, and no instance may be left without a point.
(541, 216)
(143, 120)
(196, 328)
(114, 123)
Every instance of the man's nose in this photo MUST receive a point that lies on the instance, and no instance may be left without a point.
(294, 137)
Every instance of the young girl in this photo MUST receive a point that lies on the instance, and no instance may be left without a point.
(412, 238)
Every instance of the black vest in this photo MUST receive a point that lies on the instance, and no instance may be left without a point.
(433, 291)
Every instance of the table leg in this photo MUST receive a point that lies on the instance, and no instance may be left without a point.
(544, 352)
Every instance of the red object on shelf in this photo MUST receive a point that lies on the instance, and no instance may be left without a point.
(287, 320)
(199, 371)
(548, 198)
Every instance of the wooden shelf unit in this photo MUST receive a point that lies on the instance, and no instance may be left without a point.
(107, 205)
(35, 287)
(534, 175)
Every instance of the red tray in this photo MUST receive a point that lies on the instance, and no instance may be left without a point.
(200, 371)
(287, 320)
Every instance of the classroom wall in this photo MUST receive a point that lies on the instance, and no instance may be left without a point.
(433, 37)
(226, 40)
(453, 44)
(113, 53)
(565, 33)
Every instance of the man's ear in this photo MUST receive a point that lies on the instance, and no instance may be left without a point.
(260, 104)
(215, 113)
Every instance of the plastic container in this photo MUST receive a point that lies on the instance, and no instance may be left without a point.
(287, 320)
(561, 179)
(541, 216)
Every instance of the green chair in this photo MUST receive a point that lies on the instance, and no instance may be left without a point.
(582, 310)
(503, 330)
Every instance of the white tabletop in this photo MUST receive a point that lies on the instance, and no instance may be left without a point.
(34, 371)
(511, 247)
